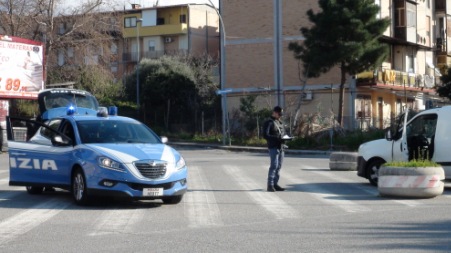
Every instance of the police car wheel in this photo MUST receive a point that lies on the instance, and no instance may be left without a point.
(173, 200)
(34, 189)
(373, 170)
(79, 187)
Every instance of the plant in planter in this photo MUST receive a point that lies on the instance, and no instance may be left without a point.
(421, 178)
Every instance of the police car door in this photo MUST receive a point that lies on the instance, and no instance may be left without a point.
(38, 158)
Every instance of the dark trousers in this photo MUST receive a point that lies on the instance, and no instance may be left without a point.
(276, 156)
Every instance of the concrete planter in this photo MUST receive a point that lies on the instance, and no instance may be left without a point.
(343, 161)
(421, 182)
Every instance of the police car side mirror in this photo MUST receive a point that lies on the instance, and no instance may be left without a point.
(60, 141)
(164, 139)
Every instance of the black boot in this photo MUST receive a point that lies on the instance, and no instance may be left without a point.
(279, 188)
(271, 188)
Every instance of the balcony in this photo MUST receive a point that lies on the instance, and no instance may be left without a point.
(395, 80)
(159, 30)
(133, 56)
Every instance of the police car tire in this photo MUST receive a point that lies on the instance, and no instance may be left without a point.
(78, 177)
(34, 189)
(173, 200)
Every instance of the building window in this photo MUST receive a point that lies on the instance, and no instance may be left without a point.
(70, 52)
(91, 60)
(400, 17)
(130, 22)
(411, 15)
(160, 21)
(183, 19)
(60, 57)
(114, 67)
(151, 46)
(411, 64)
(378, 3)
(61, 28)
(113, 48)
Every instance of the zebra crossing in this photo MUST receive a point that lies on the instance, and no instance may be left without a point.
(241, 197)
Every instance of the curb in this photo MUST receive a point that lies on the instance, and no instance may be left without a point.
(246, 148)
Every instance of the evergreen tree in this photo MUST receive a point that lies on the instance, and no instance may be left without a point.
(346, 34)
(445, 89)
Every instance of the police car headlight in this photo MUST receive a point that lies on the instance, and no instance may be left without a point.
(180, 164)
(108, 163)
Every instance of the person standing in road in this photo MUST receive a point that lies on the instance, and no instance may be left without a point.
(273, 131)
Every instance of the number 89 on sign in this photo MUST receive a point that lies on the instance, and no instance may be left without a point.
(11, 84)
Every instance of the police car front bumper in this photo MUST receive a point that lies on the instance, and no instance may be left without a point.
(135, 191)
(130, 187)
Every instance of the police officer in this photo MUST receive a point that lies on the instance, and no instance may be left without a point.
(273, 131)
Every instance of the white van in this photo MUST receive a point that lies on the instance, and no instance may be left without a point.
(414, 136)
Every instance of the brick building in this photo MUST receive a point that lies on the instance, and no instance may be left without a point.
(169, 30)
(258, 61)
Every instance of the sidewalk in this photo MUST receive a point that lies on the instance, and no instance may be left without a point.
(246, 148)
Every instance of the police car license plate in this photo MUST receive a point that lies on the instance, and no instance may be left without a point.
(152, 192)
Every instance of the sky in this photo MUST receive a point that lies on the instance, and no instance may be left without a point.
(150, 3)
(119, 4)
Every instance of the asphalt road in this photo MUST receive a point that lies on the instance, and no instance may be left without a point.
(228, 210)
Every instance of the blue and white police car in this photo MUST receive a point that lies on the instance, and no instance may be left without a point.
(96, 155)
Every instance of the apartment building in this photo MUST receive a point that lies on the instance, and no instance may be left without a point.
(160, 30)
(96, 40)
(258, 61)
(169, 30)
(408, 76)
(443, 33)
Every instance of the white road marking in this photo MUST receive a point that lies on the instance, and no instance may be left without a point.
(118, 221)
(322, 194)
(268, 200)
(25, 221)
(4, 181)
(372, 190)
(201, 208)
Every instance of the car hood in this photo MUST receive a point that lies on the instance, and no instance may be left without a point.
(130, 152)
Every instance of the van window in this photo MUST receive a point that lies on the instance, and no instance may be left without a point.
(424, 125)
(421, 136)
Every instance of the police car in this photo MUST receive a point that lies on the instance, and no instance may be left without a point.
(95, 155)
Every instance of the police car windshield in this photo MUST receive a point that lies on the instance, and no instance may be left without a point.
(115, 131)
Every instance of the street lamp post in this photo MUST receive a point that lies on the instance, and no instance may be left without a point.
(138, 20)
(222, 74)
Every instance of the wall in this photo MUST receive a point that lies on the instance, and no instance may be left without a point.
(204, 30)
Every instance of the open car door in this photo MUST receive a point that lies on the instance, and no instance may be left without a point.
(400, 149)
(39, 155)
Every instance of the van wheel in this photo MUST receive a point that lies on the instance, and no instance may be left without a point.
(34, 190)
(373, 170)
(79, 192)
(173, 200)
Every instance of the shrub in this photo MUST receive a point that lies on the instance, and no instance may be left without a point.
(412, 163)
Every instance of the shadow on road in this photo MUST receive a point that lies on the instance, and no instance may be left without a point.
(415, 236)
(23, 200)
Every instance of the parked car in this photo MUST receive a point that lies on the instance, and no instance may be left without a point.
(424, 135)
(96, 155)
